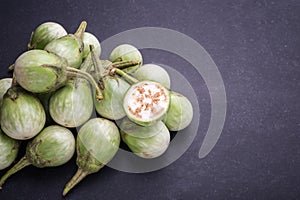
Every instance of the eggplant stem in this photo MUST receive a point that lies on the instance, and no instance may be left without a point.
(17, 167)
(80, 174)
(96, 61)
(14, 81)
(125, 64)
(11, 67)
(89, 78)
(29, 46)
(87, 64)
(131, 80)
(81, 29)
(76, 75)
(99, 70)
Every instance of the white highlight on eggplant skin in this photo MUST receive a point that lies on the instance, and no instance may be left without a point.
(56, 30)
(26, 128)
(66, 140)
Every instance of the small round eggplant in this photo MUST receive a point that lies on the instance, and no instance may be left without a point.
(146, 142)
(98, 141)
(22, 114)
(39, 71)
(89, 39)
(72, 105)
(180, 113)
(152, 72)
(111, 105)
(45, 33)
(69, 47)
(126, 52)
(54, 146)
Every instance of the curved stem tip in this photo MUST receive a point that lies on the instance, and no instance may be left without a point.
(17, 167)
(81, 29)
(80, 174)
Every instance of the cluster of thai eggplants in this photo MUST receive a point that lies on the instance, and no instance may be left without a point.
(58, 83)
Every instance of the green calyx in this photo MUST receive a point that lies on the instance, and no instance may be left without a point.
(69, 47)
(39, 71)
(54, 146)
(86, 160)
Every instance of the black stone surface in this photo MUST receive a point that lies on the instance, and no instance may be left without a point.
(256, 47)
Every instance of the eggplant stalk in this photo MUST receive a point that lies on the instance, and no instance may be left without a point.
(20, 165)
(79, 32)
(131, 80)
(86, 75)
(125, 64)
(80, 174)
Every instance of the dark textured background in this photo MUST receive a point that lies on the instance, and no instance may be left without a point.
(256, 47)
